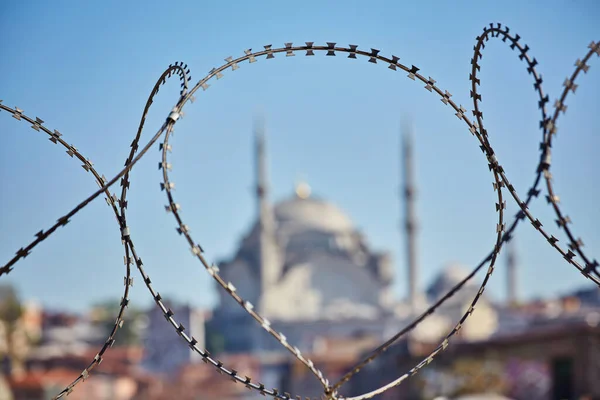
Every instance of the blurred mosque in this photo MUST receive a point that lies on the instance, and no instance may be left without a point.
(312, 274)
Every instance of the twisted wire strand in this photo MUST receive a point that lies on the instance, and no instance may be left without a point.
(62, 221)
(56, 138)
(591, 266)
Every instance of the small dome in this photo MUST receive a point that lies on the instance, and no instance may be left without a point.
(453, 273)
(450, 276)
(312, 213)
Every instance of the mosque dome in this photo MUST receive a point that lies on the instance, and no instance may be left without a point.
(310, 213)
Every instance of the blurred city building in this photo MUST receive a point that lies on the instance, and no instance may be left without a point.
(164, 351)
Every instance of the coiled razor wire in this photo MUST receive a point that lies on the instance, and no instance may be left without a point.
(548, 125)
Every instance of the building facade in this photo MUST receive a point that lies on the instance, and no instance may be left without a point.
(313, 275)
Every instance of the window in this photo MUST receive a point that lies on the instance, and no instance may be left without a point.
(309, 241)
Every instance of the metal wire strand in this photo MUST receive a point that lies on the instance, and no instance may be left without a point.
(111, 200)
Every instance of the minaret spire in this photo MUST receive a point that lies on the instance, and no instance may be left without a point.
(410, 223)
(261, 166)
(269, 273)
(511, 277)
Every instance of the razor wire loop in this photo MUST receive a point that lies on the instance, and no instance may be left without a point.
(506, 237)
(55, 137)
(531, 193)
(111, 200)
(413, 74)
(548, 126)
(169, 315)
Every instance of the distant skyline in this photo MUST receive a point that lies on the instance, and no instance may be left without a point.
(86, 70)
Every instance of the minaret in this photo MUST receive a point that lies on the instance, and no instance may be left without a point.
(410, 223)
(266, 221)
(511, 274)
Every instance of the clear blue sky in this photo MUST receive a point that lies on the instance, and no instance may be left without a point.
(86, 68)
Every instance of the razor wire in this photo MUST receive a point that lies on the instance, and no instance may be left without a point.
(548, 126)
